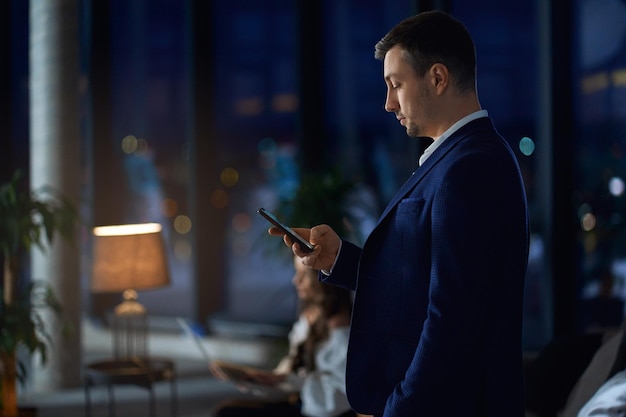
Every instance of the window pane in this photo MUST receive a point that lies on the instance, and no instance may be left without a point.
(150, 96)
(600, 159)
(256, 104)
(507, 57)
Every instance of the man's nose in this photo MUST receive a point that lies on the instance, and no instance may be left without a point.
(391, 103)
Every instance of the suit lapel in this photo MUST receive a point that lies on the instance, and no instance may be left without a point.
(437, 156)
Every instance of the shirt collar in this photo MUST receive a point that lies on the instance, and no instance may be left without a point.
(456, 126)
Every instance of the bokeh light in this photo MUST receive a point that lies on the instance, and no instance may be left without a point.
(229, 177)
(588, 222)
(616, 186)
(597, 82)
(527, 146)
(285, 103)
(129, 144)
(182, 224)
(267, 146)
(252, 106)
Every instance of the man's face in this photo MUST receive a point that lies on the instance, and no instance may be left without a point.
(408, 95)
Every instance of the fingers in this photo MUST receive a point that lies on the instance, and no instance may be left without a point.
(326, 244)
(309, 259)
(275, 231)
(217, 372)
(302, 231)
(322, 233)
(296, 248)
(243, 388)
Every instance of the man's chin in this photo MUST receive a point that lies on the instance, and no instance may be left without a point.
(417, 134)
(412, 133)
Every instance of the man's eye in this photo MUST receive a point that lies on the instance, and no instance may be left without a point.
(395, 86)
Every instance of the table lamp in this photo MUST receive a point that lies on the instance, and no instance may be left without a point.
(127, 258)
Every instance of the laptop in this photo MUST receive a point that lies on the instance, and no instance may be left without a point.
(233, 372)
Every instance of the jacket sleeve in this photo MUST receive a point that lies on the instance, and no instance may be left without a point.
(344, 273)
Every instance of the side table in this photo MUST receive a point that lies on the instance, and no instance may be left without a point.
(142, 372)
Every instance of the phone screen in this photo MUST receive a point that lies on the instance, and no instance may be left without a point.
(304, 245)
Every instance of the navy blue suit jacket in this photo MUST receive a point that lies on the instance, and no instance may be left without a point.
(436, 327)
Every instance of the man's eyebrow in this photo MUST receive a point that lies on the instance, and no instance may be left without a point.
(390, 75)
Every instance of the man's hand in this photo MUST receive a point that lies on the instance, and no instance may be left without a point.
(323, 237)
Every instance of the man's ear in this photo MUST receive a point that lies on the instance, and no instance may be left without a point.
(440, 77)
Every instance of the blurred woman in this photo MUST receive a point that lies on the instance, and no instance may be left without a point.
(312, 375)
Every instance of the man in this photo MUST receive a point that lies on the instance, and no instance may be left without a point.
(436, 327)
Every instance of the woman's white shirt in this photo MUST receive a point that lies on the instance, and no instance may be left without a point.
(609, 400)
(323, 391)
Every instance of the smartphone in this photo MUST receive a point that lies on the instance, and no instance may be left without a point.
(304, 245)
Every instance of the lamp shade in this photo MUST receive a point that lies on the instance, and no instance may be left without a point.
(129, 256)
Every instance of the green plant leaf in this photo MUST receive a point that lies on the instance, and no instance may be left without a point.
(30, 219)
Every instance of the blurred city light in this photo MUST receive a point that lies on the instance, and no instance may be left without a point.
(129, 144)
(527, 146)
(588, 222)
(229, 177)
(182, 224)
(616, 186)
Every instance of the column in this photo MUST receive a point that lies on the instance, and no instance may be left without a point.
(54, 161)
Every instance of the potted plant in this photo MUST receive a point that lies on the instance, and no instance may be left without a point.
(27, 219)
(325, 197)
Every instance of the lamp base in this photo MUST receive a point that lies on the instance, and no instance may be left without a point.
(130, 324)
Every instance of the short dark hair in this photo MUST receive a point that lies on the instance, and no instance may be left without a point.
(434, 37)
